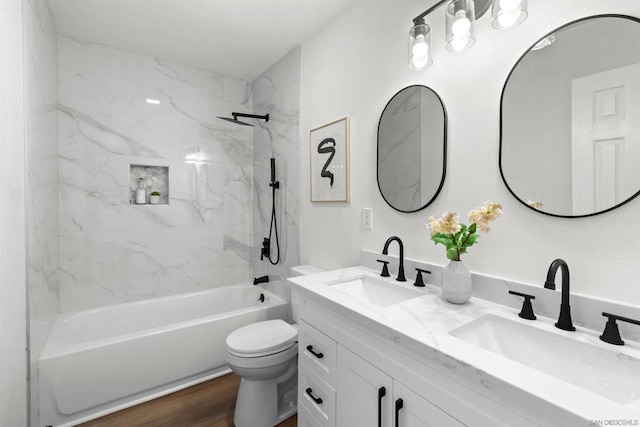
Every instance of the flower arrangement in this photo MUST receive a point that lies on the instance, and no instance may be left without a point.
(457, 237)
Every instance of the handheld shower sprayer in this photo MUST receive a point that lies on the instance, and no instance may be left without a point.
(273, 227)
(274, 183)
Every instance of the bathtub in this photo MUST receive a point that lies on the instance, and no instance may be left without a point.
(102, 360)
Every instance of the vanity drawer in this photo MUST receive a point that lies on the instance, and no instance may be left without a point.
(318, 352)
(305, 419)
(317, 397)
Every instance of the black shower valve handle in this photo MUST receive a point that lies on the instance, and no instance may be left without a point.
(527, 308)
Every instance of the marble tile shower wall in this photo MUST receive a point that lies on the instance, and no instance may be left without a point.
(112, 251)
(41, 130)
(277, 92)
(42, 167)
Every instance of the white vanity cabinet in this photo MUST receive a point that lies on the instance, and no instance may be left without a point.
(316, 376)
(338, 388)
(370, 397)
(343, 366)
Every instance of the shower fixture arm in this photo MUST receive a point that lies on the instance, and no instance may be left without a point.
(250, 116)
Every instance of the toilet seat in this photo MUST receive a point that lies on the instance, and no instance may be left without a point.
(262, 339)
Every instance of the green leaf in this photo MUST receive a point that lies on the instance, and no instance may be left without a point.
(472, 239)
(472, 228)
(452, 253)
(445, 239)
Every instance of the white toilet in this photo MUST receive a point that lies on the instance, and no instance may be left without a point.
(264, 356)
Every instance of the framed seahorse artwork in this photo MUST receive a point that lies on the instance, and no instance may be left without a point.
(330, 162)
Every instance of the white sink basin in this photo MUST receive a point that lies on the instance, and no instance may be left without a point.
(375, 291)
(602, 371)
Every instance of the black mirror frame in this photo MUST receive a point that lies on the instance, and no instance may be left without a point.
(444, 149)
(632, 18)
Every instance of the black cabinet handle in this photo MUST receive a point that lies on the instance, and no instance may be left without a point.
(318, 400)
(310, 350)
(381, 393)
(399, 405)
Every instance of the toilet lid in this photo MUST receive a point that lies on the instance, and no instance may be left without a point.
(262, 337)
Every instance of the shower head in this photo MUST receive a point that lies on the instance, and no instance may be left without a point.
(235, 120)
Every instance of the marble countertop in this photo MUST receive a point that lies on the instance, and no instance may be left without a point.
(422, 325)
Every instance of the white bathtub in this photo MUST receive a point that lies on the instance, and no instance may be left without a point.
(102, 360)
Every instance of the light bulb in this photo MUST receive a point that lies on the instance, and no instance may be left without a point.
(509, 5)
(508, 19)
(461, 24)
(420, 61)
(459, 43)
(420, 46)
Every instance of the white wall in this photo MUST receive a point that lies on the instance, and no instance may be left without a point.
(13, 312)
(354, 66)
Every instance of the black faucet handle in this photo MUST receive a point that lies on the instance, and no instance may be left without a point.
(527, 308)
(611, 332)
(419, 283)
(385, 269)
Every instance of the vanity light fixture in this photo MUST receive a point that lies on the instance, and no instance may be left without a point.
(460, 18)
(507, 14)
(460, 15)
(419, 46)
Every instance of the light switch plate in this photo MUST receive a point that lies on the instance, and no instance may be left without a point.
(367, 218)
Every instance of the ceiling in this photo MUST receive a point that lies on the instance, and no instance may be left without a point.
(239, 38)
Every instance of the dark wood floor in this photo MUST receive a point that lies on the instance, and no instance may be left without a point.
(209, 404)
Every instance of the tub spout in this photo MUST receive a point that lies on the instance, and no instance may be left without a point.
(262, 279)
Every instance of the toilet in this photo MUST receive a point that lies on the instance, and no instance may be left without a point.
(264, 356)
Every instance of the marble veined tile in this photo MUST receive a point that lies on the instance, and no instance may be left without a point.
(277, 92)
(105, 115)
(120, 260)
(112, 251)
(100, 60)
(94, 193)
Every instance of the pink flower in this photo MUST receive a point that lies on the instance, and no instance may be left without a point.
(484, 215)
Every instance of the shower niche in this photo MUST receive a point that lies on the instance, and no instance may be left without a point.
(154, 180)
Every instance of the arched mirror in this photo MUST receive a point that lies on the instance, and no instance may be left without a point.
(412, 149)
(570, 119)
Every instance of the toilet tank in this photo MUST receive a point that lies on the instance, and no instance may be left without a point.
(300, 270)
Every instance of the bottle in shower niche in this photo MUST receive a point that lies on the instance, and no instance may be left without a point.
(141, 192)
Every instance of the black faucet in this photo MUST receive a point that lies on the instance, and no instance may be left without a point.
(564, 320)
(262, 279)
(385, 251)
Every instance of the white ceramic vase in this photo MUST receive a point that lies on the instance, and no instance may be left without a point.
(154, 200)
(456, 282)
